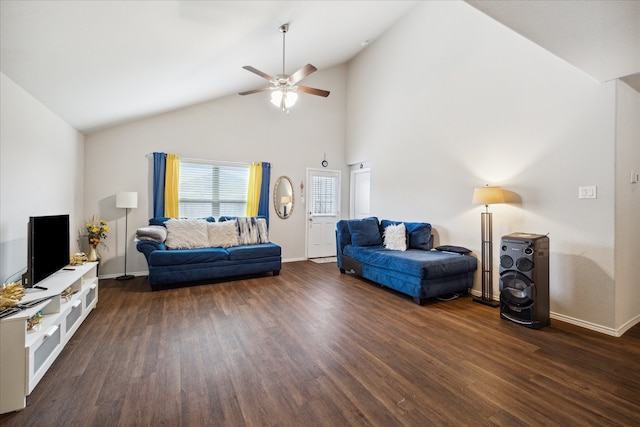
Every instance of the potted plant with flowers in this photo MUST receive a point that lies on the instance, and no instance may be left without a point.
(97, 230)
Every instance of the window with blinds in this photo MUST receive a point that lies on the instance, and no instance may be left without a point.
(212, 189)
(324, 195)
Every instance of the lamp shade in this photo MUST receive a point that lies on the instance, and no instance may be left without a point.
(127, 199)
(487, 196)
(285, 199)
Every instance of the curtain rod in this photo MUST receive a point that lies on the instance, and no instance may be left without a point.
(194, 160)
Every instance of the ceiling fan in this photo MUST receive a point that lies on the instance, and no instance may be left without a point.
(283, 87)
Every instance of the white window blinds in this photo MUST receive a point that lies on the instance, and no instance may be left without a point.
(212, 189)
(324, 195)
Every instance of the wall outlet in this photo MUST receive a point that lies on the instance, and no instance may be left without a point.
(587, 192)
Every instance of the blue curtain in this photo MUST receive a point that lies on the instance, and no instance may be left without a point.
(159, 167)
(263, 207)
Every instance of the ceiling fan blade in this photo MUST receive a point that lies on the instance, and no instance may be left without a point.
(260, 73)
(313, 91)
(262, 89)
(302, 73)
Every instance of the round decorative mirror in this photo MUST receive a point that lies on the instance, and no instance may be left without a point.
(283, 199)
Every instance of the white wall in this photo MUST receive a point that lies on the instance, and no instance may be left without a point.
(449, 100)
(627, 206)
(41, 173)
(235, 128)
(446, 101)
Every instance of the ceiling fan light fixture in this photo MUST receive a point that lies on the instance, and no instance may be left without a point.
(290, 98)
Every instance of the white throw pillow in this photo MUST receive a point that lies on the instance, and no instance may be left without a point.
(186, 233)
(222, 234)
(395, 237)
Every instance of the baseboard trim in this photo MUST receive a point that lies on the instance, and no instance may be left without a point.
(478, 294)
(628, 325)
(114, 275)
(614, 332)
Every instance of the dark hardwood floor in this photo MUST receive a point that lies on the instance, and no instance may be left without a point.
(312, 347)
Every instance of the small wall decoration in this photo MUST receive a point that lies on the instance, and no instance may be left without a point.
(324, 162)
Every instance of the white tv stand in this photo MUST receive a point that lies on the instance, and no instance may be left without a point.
(25, 356)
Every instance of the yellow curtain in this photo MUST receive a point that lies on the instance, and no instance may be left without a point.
(253, 195)
(172, 178)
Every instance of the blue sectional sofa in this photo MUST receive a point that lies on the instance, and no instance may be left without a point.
(418, 271)
(200, 257)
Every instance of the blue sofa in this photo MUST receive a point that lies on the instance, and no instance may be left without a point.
(172, 266)
(419, 271)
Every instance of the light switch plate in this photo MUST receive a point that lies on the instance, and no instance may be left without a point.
(587, 192)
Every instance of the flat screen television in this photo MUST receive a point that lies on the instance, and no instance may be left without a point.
(48, 247)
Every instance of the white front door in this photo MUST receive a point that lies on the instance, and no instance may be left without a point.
(323, 211)
(360, 193)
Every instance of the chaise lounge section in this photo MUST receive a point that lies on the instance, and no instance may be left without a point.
(399, 255)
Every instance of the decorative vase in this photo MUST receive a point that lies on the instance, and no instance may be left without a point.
(93, 254)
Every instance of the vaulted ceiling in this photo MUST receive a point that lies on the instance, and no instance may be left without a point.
(602, 38)
(100, 63)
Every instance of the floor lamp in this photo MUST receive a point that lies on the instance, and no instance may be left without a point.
(487, 196)
(126, 200)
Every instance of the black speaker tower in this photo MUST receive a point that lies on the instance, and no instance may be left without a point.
(524, 279)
